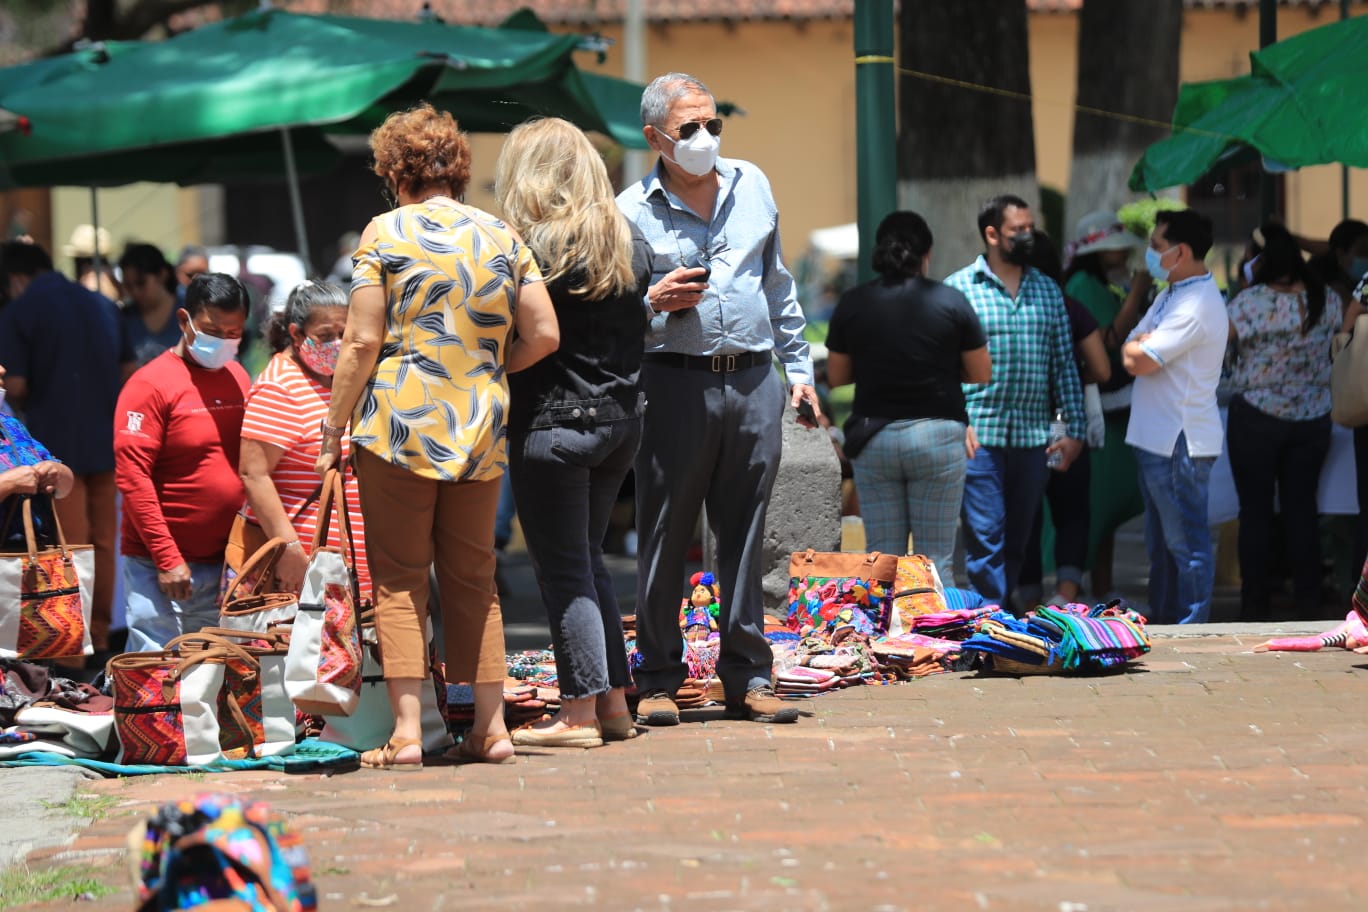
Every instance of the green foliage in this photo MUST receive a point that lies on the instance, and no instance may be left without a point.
(1138, 217)
(20, 886)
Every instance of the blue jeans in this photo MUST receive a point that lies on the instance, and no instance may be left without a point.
(566, 481)
(503, 519)
(153, 618)
(1182, 563)
(910, 478)
(1003, 487)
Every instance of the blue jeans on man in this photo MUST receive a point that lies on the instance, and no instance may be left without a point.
(154, 619)
(1003, 488)
(1177, 538)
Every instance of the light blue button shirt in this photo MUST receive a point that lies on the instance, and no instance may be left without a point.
(751, 302)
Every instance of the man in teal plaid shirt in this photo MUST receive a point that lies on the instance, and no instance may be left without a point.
(1034, 375)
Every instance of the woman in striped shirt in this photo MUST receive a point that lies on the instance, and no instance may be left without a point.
(280, 431)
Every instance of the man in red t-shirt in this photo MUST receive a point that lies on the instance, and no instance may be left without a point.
(177, 431)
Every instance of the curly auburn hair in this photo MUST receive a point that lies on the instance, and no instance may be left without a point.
(420, 147)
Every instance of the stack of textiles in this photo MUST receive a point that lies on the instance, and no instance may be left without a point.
(524, 703)
(953, 624)
(914, 655)
(535, 666)
(804, 681)
(1074, 639)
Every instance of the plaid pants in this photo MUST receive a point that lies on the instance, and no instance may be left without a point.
(910, 479)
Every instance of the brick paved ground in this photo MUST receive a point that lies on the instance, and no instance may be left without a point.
(1207, 778)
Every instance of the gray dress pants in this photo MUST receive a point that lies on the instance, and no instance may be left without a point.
(711, 438)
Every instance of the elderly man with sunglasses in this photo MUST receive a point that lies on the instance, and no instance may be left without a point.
(721, 307)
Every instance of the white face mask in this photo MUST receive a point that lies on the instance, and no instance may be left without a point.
(697, 154)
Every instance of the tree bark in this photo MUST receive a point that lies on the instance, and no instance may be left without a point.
(962, 142)
(1127, 64)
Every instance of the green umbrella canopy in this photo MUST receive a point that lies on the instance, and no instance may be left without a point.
(1301, 105)
(210, 103)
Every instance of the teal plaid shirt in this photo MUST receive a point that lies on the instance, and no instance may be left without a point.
(1033, 362)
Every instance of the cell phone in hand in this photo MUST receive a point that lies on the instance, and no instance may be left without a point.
(805, 410)
(697, 262)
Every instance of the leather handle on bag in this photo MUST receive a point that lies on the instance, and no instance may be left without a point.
(208, 642)
(272, 638)
(270, 553)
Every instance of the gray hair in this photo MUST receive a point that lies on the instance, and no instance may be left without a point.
(190, 251)
(300, 305)
(664, 91)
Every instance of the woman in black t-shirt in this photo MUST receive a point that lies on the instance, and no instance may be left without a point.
(907, 342)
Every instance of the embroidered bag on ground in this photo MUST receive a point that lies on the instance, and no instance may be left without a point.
(213, 852)
(323, 667)
(828, 590)
(45, 594)
(259, 690)
(167, 706)
(249, 607)
(917, 590)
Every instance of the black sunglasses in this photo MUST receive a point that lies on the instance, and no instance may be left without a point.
(686, 131)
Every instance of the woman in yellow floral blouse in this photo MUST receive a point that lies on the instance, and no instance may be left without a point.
(437, 292)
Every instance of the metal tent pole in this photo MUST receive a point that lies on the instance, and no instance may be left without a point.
(296, 202)
(876, 130)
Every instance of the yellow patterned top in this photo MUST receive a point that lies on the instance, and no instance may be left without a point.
(437, 400)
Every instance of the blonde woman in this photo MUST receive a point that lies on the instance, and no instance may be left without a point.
(576, 416)
(437, 289)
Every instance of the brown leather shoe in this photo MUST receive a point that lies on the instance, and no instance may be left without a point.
(761, 705)
(657, 707)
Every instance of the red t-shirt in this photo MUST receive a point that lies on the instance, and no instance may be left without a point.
(177, 435)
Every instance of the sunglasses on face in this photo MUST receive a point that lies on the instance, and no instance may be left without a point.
(687, 130)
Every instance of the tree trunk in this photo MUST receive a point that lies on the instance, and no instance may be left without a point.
(959, 145)
(1127, 64)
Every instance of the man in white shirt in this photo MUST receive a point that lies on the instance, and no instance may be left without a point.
(1175, 354)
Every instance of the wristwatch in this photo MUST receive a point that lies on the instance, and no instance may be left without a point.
(327, 430)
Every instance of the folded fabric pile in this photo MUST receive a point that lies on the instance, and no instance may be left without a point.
(1074, 639)
(523, 703)
(915, 655)
(805, 681)
(955, 623)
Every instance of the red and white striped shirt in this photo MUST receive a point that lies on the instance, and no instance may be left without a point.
(284, 409)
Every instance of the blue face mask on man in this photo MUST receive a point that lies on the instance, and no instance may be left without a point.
(211, 352)
(1154, 262)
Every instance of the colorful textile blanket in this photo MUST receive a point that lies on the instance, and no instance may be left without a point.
(1102, 640)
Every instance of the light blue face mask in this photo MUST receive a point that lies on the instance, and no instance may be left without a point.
(1154, 262)
(211, 352)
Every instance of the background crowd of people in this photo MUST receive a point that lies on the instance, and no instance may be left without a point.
(472, 349)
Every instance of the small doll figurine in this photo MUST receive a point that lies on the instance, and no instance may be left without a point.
(699, 613)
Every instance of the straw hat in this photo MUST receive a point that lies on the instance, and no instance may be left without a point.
(82, 243)
(1102, 230)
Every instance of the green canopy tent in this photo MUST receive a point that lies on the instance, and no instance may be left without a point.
(258, 95)
(1301, 105)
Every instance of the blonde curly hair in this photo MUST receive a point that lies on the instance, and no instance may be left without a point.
(421, 147)
(553, 188)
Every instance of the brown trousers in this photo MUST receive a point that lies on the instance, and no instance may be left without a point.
(411, 523)
(89, 517)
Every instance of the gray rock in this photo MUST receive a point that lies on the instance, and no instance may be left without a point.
(32, 820)
(805, 509)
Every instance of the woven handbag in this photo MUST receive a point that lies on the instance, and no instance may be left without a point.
(323, 666)
(834, 589)
(249, 609)
(171, 708)
(45, 594)
(258, 690)
(917, 590)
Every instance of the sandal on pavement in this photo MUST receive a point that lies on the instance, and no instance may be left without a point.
(468, 752)
(621, 727)
(385, 758)
(589, 735)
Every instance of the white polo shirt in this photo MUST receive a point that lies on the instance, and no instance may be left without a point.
(1187, 327)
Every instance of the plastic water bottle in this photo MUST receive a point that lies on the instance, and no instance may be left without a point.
(1059, 429)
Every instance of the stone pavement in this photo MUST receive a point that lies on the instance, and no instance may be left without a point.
(1205, 778)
